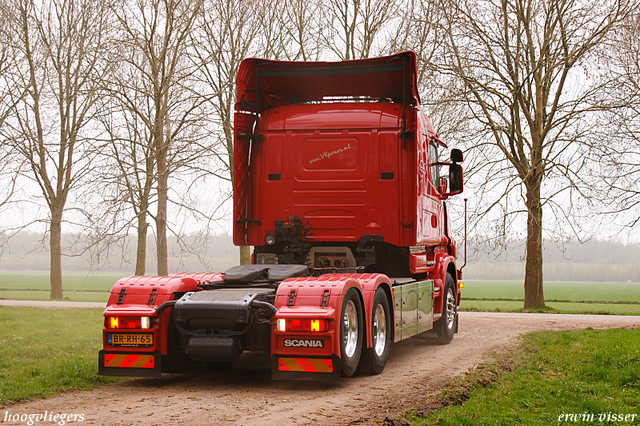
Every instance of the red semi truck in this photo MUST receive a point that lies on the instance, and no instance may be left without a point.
(339, 189)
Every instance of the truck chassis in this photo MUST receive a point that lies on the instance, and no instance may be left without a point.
(352, 242)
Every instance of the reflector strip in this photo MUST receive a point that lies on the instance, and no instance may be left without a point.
(132, 361)
(307, 365)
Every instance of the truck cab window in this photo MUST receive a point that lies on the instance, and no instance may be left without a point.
(433, 160)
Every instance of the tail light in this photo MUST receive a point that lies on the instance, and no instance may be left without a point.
(130, 323)
(311, 325)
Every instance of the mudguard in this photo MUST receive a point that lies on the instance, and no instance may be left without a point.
(321, 297)
(141, 295)
(442, 262)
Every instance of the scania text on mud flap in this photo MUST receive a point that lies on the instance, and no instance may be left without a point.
(339, 187)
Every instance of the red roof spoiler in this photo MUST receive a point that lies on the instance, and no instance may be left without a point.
(283, 83)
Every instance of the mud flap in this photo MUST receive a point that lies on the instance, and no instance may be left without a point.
(147, 364)
(287, 367)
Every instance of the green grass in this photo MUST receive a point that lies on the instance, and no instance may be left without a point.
(560, 297)
(554, 291)
(587, 372)
(77, 287)
(553, 307)
(43, 352)
(73, 296)
(70, 281)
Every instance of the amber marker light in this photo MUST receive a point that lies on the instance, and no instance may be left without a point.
(315, 325)
(113, 322)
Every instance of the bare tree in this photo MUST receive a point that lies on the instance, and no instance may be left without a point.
(224, 38)
(354, 26)
(58, 64)
(620, 156)
(125, 182)
(521, 68)
(299, 30)
(6, 58)
(9, 162)
(419, 29)
(158, 94)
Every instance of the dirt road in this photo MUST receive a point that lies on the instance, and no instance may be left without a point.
(245, 395)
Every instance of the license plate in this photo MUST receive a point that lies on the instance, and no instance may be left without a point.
(130, 339)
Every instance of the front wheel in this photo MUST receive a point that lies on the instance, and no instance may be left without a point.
(374, 359)
(351, 332)
(446, 325)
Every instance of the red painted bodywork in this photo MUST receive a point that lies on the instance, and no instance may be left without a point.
(339, 166)
(138, 291)
(307, 303)
(359, 165)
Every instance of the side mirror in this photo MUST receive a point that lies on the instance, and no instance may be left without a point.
(454, 182)
(456, 156)
(442, 188)
(455, 177)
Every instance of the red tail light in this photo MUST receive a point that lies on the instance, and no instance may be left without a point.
(313, 325)
(131, 323)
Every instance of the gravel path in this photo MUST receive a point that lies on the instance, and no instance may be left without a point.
(245, 394)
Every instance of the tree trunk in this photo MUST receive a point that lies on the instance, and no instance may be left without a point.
(533, 294)
(245, 255)
(55, 248)
(161, 219)
(141, 253)
(162, 142)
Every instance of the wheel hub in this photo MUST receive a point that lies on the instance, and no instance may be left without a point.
(379, 330)
(451, 308)
(350, 321)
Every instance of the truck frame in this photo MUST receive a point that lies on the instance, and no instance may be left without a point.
(338, 187)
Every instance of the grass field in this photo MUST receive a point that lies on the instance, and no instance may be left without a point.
(554, 291)
(553, 307)
(563, 297)
(77, 287)
(70, 281)
(586, 377)
(43, 352)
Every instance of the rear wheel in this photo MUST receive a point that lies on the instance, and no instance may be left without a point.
(374, 358)
(446, 325)
(351, 332)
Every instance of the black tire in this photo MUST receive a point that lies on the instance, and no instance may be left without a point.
(374, 359)
(351, 332)
(445, 327)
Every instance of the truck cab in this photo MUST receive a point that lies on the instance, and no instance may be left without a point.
(329, 156)
(340, 188)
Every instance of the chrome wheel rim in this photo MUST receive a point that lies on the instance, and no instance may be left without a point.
(451, 308)
(350, 323)
(379, 330)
